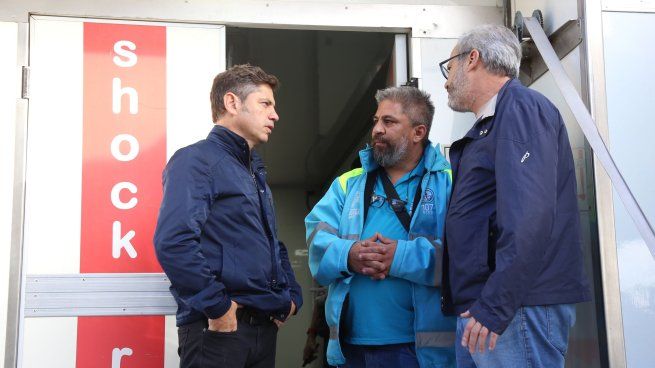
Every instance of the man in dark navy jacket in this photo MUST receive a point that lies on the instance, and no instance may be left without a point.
(216, 235)
(513, 242)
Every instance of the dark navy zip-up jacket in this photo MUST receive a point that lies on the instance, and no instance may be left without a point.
(513, 228)
(216, 236)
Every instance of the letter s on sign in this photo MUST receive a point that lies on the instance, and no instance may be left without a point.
(130, 58)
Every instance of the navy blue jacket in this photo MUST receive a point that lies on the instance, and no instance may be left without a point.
(216, 236)
(513, 228)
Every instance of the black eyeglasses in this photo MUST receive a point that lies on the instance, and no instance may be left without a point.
(397, 205)
(442, 65)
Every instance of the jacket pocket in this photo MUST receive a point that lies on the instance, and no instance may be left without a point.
(468, 241)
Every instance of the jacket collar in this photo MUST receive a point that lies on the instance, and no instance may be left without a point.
(432, 159)
(482, 126)
(236, 145)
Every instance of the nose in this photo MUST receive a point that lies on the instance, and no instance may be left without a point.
(378, 129)
(274, 116)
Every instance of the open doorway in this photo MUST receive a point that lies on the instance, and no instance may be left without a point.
(328, 80)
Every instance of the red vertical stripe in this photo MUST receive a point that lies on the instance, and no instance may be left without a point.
(101, 171)
(144, 77)
(131, 342)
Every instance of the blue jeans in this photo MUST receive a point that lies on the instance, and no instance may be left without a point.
(382, 356)
(538, 336)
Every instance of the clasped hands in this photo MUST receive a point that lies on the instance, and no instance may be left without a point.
(373, 256)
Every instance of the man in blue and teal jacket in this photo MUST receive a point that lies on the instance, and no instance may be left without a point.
(376, 239)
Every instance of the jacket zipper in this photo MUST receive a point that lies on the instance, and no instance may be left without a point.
(260, 191)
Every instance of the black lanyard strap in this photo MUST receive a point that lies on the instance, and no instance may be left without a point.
(389, 190)
(368, 191)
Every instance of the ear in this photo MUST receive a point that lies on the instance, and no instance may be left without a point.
(473, 60)
(420, 132)
(232, 103)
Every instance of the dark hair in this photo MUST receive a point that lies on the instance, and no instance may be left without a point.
(416, 104)
(241, 80)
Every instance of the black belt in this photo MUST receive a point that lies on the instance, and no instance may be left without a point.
(253, 317)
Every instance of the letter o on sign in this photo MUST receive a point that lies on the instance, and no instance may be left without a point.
(131, 153)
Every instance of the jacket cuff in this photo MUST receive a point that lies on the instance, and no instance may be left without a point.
(283, 314)
(297, 300)
(487, 318)
(343, 260)
(218, 310)
(398, 257)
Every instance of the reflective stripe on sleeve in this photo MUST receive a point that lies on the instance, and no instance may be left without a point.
(334, 333)
(438, 267)
(324, 226)
(321, 226)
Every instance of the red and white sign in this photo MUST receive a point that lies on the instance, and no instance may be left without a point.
(124, 146)
(124, 153)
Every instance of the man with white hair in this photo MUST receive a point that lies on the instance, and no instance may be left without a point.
(514, 263)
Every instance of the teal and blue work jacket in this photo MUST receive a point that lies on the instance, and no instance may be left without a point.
(336, 223)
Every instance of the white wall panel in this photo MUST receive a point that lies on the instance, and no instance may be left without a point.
(49, 342)
(54, 153)
(171, 359)
(8, 95)
(194, 56)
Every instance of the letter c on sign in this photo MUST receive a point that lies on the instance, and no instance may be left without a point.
(116, 150)
(116, 192)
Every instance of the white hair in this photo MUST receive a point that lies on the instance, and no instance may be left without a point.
(499, 48)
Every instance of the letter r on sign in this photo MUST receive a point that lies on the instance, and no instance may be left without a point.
(117, 354)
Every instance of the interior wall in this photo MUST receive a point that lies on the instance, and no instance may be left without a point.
(320, 74)
(8, 97)
(343, 59)
(584, 347)
(291, 56)
(291, 211)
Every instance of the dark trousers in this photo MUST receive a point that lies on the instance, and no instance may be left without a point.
(380, 356)
(252, 345)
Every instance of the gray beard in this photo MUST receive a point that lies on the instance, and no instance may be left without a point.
(457, 98)
(392, 155)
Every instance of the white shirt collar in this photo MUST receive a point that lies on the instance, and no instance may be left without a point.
(489, 109)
